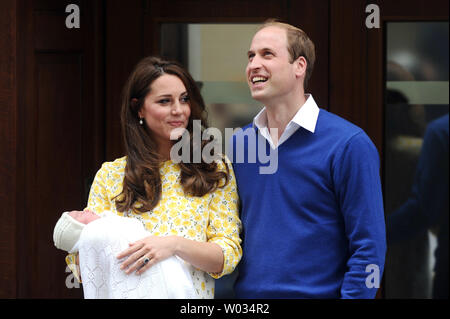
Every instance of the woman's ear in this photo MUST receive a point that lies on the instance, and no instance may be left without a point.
(134, 106)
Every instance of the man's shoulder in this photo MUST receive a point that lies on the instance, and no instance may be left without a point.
(246, 127)
(246, 130)
(341, 132)
(334, 123)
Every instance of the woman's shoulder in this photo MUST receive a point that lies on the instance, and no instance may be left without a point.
(223, 163)
(117, 166)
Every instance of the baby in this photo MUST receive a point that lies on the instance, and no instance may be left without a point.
(99, 240)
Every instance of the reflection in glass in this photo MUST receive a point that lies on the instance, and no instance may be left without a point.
(416, 160)
(420, 48)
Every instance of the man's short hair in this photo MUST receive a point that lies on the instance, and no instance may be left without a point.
(299, 44)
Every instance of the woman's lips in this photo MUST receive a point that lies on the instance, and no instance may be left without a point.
(176, 123)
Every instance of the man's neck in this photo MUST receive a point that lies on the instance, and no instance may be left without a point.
(280, 113)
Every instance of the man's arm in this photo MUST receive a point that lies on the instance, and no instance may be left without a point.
(358, 190)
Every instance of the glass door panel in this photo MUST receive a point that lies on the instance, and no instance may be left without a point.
(416, 159)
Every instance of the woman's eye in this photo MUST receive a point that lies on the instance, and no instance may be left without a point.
(185, 99)
(164, 101)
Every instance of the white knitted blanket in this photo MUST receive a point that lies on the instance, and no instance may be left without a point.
(99, 244)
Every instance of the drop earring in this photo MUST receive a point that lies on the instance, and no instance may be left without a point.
(141, 121)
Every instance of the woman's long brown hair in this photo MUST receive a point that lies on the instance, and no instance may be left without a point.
(142, 180)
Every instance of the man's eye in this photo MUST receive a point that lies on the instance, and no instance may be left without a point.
(267, 53)
(250, 56)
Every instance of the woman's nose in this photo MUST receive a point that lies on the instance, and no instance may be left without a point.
(176, 107)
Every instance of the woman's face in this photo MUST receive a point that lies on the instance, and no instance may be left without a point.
(166, 108)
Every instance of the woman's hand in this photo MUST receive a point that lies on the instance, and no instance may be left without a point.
(154, 248)
(202, 255)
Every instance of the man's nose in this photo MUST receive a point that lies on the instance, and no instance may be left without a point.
(255, 63)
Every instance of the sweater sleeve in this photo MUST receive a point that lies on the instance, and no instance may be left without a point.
(358, 191)
(224, 223)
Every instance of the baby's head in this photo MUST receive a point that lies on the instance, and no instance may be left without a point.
(84, 217)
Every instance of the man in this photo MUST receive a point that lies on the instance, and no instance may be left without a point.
(315, 227)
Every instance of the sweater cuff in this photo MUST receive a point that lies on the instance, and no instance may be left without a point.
(67, 232)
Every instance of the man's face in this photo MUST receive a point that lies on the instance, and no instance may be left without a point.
(270, 75)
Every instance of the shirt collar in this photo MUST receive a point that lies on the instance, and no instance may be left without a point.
(305, 117)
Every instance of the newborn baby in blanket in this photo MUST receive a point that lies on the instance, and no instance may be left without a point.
(100, 240)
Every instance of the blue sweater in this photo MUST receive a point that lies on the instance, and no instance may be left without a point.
(315, 228)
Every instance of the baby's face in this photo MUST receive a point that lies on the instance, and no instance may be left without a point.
(84, 217)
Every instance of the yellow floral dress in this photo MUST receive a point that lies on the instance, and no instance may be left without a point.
(211, 218)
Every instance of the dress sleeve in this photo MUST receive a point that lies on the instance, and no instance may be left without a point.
(224, 224)
(98, 202)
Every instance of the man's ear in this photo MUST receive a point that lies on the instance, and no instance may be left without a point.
(300, 66)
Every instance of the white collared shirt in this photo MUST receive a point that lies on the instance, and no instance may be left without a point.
(305, 117)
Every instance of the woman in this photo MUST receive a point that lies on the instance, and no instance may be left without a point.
(190, 208)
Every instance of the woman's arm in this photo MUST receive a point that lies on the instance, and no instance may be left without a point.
(202, 255)
(224, 224)
(218, 256)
